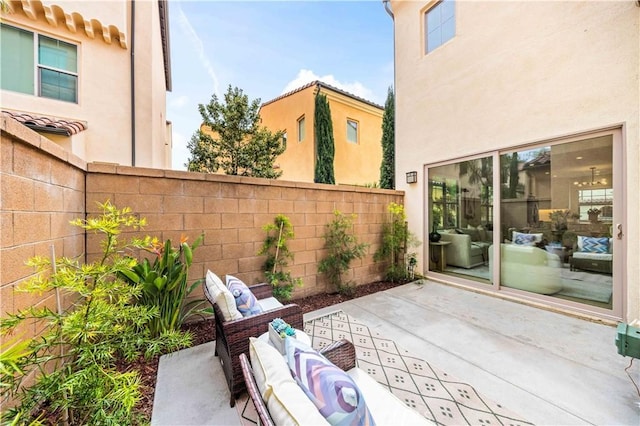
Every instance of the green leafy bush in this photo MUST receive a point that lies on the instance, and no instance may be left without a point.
(74, 359)
(278, 257)
(396, 239)
(164, 283)
(342, 247)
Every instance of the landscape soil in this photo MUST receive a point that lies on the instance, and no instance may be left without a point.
(203, 331)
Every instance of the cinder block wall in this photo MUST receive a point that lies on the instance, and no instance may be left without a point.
(44, 187)
(230, 212)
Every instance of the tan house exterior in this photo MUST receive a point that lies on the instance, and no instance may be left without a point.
(509, 111)
(72, 70)
(357, 131)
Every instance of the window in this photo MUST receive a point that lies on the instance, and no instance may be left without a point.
(284, 139)
(56, 73)
(352, 131)
(301, 128)
(440, 24)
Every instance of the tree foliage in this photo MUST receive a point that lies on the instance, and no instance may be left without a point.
(237, 143)
(323, 128)
(387, 167)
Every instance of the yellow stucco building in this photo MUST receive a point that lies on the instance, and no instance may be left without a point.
(511, 111)
(91, 76)
(357, 132)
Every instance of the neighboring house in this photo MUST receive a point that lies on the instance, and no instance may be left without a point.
(357, 133)
(509, 112)
(72, 71)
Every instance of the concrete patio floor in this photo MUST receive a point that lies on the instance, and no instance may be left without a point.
(549, 368)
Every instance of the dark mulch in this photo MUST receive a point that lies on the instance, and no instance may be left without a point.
(203, 331)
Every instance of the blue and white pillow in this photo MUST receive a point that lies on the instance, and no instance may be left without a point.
(333, 391)
(524, 239)
(246, 302)
(593, 244)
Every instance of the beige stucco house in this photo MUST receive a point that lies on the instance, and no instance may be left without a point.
(522, 121)
(91, 76)
(357, 131)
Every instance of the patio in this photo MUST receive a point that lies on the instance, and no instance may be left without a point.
(546, 367)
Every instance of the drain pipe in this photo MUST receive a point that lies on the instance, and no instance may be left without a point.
(133, 83)
(387, 7)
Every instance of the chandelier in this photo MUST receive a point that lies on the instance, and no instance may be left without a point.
(593, 182)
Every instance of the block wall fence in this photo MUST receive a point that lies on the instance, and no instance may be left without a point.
(44, 187)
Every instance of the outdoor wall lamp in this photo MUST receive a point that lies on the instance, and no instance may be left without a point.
(412, 177)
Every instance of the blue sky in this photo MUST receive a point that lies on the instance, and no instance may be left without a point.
(267, 48)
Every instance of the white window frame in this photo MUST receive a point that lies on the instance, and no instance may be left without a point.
(37, 66)
(437, 29)
(357, 129)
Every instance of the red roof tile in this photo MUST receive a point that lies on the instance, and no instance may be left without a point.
(48, 124)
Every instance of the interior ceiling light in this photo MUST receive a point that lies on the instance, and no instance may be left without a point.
(593, 182)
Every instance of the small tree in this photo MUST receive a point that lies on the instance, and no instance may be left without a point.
(325, 146)
(278, 256)
(387, 167)
(237, 144)
(396, 239)
(342, 247)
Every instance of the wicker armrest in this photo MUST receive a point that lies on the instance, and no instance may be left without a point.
(252, 388)
(342, 353)
(262, 291)
(292, 314)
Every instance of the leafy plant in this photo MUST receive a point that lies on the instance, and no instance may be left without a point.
(396, 238)
(387, 166)
(325, 145)
(164, 283)
(278, 257)
(74, 358)
(342, 247)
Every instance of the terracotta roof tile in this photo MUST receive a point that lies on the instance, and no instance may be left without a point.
(48, 124)
(326, 86)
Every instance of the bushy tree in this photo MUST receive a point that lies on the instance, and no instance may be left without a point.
(323, 129)
(387, 167)
(237, 143)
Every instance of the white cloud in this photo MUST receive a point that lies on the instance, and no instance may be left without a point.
(179, 101)
(197, 44)
(307, 76)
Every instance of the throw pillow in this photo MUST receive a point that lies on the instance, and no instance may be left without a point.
(333, 391)
(593, 244)
(222, 297)
(524, 239)
(246, 302)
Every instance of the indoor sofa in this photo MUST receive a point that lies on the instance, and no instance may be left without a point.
(465, 250)
(528, 268)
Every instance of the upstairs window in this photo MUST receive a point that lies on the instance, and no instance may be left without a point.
(56, 74)
(301, 128)
(352, 131)
(440, 24)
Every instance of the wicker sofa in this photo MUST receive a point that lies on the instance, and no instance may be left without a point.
(232, 336)
(384, 407)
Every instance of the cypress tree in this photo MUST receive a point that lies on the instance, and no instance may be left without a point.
(387, 167)
(325, 149)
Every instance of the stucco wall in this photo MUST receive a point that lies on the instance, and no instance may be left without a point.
(104, 92)
(517, 73)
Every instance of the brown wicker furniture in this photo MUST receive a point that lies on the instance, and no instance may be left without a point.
(342, 353)
(232, 337)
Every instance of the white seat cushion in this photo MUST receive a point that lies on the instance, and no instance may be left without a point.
(222, 297)
(269, 303)
(385, 407)
(592, 256)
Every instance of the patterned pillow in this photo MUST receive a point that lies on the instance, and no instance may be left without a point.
(246, 302)
(593, 244)
(331, 389)
(222, 297)
(524, 239)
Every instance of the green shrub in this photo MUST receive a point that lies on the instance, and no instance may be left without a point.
(278, 257)
(164, 283)
(396, 239)
(342, 247)
(83, 342)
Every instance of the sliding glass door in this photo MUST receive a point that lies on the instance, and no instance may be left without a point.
(555, 233)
